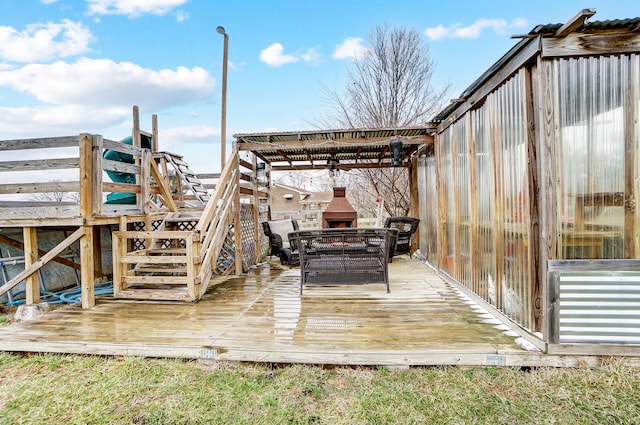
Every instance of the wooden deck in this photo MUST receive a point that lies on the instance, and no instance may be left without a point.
(263, 318)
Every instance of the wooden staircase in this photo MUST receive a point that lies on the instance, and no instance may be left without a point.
(158, 264)
(175, 259)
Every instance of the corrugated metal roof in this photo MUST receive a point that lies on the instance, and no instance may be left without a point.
(548, 30)
(632, 24)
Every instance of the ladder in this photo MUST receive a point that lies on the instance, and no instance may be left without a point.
(187, 185)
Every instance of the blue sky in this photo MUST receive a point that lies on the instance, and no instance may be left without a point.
(72, 66)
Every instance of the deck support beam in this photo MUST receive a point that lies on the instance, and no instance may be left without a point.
(32, 289)
(87, 270)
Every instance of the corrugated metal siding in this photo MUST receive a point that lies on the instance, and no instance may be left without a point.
(599, 307)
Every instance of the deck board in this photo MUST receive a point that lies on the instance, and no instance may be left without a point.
(262, 317)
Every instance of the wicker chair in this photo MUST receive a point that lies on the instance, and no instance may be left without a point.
(278, 233)
(406, 226)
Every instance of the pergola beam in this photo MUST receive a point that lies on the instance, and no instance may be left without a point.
(310, 144)
(300, 167)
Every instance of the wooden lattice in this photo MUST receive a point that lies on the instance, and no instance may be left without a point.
(263, 215)
(137, 244)
(226, 259)
(227, 254)
(247, 229)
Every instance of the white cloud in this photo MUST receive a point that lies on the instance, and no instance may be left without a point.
(57, 120)
(104, 82)
(499, 26)
(351, 48)
(48, 1)
(42, 42)
(132, 8)
(274, 56)
(89, 95)
(310, 56)
(181, 16)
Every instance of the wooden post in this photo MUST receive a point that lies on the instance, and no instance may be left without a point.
(32, 288)
(145, 180)
(631, 222)
(86, 176)
(547, 172)
(87, 268)
(237, 219)
(533, 169)
(119, 249)
(256, 211)
(414, 210)
(96, 181)
(97, 251)
(269, 197)
(154, 130)
(192, 288)
(87, 192)
(136, 141)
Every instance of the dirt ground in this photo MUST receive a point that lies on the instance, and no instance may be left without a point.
(6, 314)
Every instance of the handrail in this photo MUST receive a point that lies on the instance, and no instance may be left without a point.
(212, 224)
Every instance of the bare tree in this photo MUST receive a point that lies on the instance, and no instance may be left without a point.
(388, 87)
(57, 196)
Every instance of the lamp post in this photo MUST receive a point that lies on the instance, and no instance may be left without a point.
(223, 126)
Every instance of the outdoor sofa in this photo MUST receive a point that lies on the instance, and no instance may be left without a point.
(343, 256)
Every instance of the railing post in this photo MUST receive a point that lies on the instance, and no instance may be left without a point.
(237, 219)
(96, 188)
(256, 212)
(154, 132)
(145, 180)
(192, 287)
(86, 176)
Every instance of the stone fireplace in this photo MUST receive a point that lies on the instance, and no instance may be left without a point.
(339, 213)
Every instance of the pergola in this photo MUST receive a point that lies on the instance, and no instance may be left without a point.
(352, 148)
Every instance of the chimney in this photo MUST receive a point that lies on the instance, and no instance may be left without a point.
(339, 212)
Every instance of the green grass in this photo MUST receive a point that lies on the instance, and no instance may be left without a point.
(59, 389)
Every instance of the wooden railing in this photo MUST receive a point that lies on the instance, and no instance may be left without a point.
(184, 258)
(177, 258)
(213, 226)
(21, 184)
(82, 196)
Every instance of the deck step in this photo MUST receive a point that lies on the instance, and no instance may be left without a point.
(181, 271)
(173, 294)
(162, 251)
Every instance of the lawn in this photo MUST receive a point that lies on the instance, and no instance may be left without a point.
(71, 389)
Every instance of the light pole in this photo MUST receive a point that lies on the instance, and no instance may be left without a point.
(223, 126)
